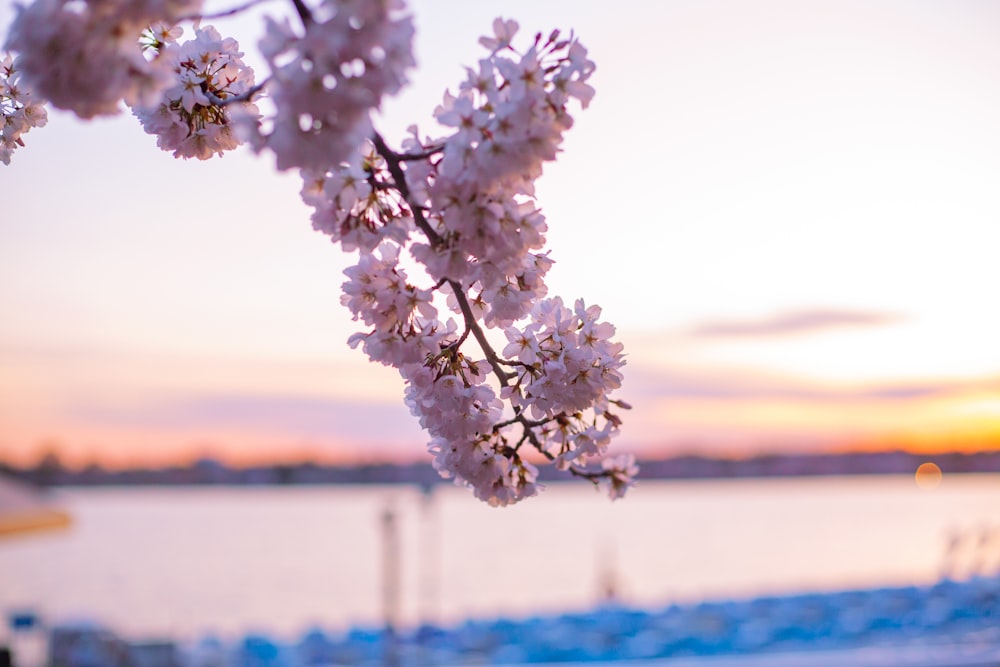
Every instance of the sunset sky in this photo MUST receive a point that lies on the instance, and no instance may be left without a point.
(789, 209)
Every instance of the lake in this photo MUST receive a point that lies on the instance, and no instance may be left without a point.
(185, 561)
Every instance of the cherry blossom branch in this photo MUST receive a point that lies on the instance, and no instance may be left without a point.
(470, 193)
(226, 13)
(479, 334)
(303, 11)
(423, 155)
(245, 96)
(594, 476)
(392, 161)
(527, 423)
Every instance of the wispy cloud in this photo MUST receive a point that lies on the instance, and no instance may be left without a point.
(792, 323)
(736, 384)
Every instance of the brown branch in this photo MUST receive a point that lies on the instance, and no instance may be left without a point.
(242, 97)
(393, 161)
(527, 423)
(224, 13)
(413, 157)
(591, 475)
(304, 12)
(480, 335)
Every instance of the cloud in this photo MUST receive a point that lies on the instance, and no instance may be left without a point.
(792, 323)
(735, 384)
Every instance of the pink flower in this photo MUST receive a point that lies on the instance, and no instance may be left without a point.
(503, 34)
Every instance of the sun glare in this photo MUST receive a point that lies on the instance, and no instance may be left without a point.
(928, 476)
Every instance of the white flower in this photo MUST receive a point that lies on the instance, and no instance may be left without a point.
(20, 109)
(503, 33)
(326, 82)
(190, 118)
(86, 57)
(619, 472)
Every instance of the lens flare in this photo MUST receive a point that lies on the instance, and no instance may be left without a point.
(928, 476)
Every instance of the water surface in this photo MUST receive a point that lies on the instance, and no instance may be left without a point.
(183, 561)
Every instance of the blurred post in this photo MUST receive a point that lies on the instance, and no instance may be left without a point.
(608, 584)
(390, 586)
(430, 562)
(430, 559)
(28, 641)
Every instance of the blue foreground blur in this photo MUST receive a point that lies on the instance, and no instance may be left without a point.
(950, 624)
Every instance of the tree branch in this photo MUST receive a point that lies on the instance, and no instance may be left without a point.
(304, 12)
(477, 331)
(243, 97)
(224, 13)
(413, 157)
(392, 160)
(527, 423)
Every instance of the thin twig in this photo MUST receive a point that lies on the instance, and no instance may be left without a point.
(477, 331)
(392, 160)
(527, 423)
(592, 475)
(304, 13)
(224, 13)
(413, 157)
(242, 97)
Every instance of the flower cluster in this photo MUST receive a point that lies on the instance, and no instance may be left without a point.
(566, 363)
(464, 206)
(84, 55)
(459, 208)
(355, 203)
(404, 321)
(509, 116)
(510, 113)
(621, 471)
(326, 81)
(195, 115)
(19, 109)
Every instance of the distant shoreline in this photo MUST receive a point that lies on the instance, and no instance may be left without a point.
(212, 472)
